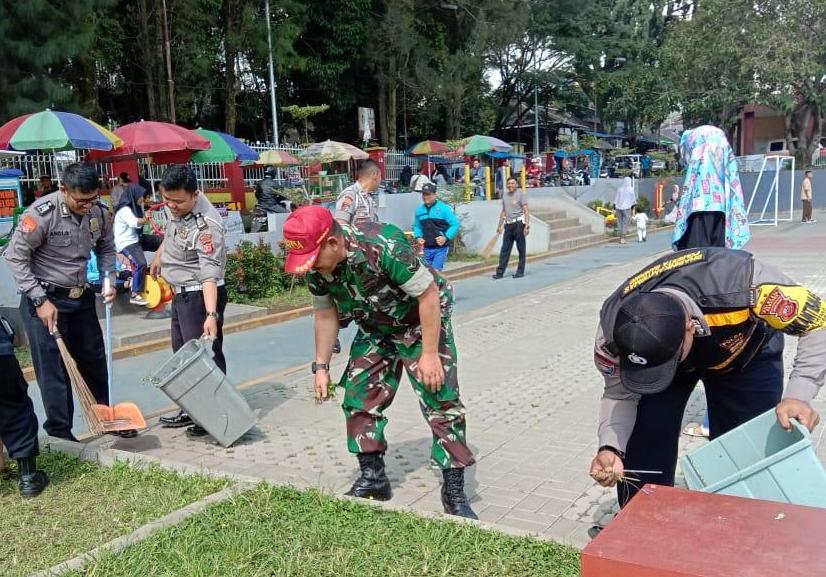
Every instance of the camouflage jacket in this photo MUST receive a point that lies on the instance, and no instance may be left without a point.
(379, 282)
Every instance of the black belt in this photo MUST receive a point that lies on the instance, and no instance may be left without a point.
(56, 290)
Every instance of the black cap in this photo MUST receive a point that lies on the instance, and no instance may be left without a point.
(429, 188)
(649, 332)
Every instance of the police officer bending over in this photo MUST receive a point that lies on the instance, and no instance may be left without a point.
(48, 255)
(18, 423)
(700, 314)
(192, 259)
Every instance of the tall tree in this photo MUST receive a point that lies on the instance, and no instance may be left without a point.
(45, 55)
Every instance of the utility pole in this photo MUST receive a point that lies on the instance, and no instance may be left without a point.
(273, 86)
(536, 119)
(168, 65)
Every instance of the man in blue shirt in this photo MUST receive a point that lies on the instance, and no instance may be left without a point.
(435, 225)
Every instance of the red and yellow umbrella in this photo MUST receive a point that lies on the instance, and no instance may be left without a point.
(428, 148)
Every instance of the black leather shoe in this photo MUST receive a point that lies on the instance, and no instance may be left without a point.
(176, 422)
(454, 499)
(127, 434)
(373, 482)
(196, 431)
(32, 482)
(497, 276)
(337, 346)
(519, 275)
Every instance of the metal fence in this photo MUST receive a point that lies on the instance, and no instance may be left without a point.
(210, 175)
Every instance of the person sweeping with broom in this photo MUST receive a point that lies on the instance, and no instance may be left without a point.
(48, 257)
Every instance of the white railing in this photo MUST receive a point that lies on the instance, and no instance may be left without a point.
(819, 158)
(210, 175)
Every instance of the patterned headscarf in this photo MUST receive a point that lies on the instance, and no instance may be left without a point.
(712, 184)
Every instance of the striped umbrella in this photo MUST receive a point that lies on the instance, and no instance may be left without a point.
(279, 158)
(52, 130)
(225, 148)
(332, 151)
(428, 148)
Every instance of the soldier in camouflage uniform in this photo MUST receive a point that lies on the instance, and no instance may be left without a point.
(369, 273)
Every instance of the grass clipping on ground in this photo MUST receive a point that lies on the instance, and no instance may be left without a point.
(84, 507)
(280, 531)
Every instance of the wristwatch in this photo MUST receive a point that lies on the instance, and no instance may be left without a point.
(38, 301)
(215, 315)
(319, 366)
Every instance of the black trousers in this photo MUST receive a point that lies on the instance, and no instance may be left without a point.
(18, 423)
(514, 233)
(188, 316)
(79, 326)
(733, 398)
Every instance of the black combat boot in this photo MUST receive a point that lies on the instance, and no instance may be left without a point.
(373, 482)
(453, 494)
(32, 481)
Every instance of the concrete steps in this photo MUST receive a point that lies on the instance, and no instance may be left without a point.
(566, 232)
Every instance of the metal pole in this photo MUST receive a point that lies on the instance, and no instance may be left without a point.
(272, 76)
(168, 66)
(536, 120)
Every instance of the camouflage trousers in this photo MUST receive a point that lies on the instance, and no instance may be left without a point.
(370, 383)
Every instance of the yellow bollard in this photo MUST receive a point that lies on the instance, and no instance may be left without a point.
(487, 183)
(523, 178)
(468, 190)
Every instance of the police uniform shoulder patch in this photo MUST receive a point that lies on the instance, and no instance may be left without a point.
(346, 202)
(28, 224)
(44, 208)
(206, 242)
(793, 309)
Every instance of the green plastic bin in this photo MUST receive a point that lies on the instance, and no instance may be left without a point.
(759, 460)
(192, 380)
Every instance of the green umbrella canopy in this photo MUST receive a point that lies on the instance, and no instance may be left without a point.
(225, 148)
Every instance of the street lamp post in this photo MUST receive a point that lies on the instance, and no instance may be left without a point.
(536, 119)
(272, 76)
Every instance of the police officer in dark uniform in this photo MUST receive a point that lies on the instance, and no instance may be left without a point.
(711, 314)
(18, 423)
(48, 255)
(192, 259)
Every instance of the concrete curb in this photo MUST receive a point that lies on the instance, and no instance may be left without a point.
(141, 533)
(105, 457)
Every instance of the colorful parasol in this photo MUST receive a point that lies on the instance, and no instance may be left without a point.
(163, 141)
(480, 144)
(428, 148)
(332, 151)
(52, 130)
(279, 158)
(225, 148)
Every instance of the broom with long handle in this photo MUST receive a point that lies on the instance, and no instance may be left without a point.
(107, 285)
(84, 395)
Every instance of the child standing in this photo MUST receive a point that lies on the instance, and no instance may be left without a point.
(642, 224)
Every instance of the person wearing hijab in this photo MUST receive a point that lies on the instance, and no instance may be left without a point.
(623, 201)
(711, 210)
(129, 239)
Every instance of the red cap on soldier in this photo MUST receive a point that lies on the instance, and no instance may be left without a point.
(304, 231)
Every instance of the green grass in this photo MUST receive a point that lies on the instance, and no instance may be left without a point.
(84, 507)
(300, 297)
(24, 356)
(270, 531)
